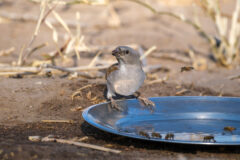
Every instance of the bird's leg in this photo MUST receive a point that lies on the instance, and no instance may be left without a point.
(144, 100)
(114, 104)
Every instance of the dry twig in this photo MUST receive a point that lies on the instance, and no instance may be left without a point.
(20, 58)
(58, 121)
(6, 52)
(80, 144)
(35, 49)
(16, 74)
(94, 59)
(79, 91)
(76, 109)
(35, 138)
(234, 77)
(41, 19)
(148, 52)
(182, 92)
(12, 70)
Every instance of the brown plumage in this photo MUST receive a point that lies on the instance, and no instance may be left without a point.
(111, 69)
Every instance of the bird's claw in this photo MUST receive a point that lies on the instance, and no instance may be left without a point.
(147, 102)
(114, 105)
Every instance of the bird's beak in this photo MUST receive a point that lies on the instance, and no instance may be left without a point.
(115, 52)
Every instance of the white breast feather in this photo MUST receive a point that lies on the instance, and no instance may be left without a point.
(129, 81)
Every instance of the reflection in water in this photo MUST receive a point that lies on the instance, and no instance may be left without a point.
(194, 130)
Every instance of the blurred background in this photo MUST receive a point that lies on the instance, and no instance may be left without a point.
(201, 34)
(54, 55)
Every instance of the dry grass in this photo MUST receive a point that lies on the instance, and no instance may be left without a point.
(74, 44)
(224, 45)
(224, 48)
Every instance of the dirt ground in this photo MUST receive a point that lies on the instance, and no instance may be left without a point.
(25, 102)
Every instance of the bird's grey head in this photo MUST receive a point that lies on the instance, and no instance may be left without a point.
(126, 55)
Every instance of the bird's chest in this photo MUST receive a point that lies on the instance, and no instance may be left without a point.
(128, 80)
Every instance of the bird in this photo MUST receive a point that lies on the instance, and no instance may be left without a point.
(125, 77)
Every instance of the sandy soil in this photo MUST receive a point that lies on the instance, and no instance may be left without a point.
(25, 102)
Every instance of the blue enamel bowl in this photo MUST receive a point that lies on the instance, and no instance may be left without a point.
(190, 120)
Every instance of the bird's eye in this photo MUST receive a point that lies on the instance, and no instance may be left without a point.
(127, 51)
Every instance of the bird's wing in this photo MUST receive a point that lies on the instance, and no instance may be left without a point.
(112, 68)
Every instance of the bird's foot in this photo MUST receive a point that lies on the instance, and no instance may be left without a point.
(146, 102)
(114, 105)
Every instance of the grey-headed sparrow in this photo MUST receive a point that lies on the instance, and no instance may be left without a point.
(125, 77)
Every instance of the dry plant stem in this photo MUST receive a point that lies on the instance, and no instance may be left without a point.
(54, 37)
(7, 52)
(195, 25)
(61, 50)
(79, 91)
(234, 77)
(76, 49)
(94, 59)
(42, 10)
(76, 109)
(77, 41)
(70, 71)
(37, 69)
(80, 144)
(61, 21)
(58, 121)
(83, 138)
(17, 69)
(182, 92)
(27, 18)
(41, 19)
(148, 52)
(225, 50)
(17, 73)
(20, 58)
(179, 17)
(63, 2)
(221, 91)
(35, 49)
(94, 2)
